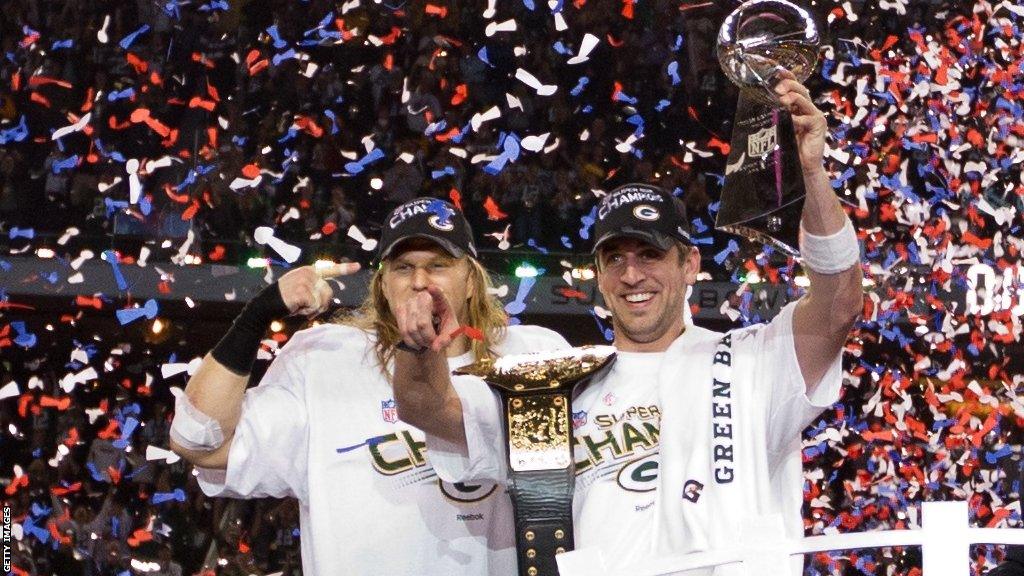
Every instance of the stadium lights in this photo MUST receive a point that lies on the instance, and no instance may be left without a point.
(526, 270)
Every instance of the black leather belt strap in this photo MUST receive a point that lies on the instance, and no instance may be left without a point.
(541, 499)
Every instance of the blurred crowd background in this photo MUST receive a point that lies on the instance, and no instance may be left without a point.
(178, 126)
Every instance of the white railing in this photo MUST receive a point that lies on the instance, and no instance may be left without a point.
(944, 538)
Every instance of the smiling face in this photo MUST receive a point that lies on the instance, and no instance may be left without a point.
(645, 289)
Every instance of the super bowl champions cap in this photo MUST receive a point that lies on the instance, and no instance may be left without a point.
(644, 212)
(429, 218)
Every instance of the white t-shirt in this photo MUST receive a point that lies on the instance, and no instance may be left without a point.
(322, 427)
(674, 450)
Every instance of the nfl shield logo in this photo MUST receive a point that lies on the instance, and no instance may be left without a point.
(579, 418)
(388, 410)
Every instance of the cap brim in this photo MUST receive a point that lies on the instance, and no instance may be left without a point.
(652, 237)
(444, 243)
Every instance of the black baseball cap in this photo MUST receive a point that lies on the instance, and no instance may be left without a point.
(644, 212)
(429, 218)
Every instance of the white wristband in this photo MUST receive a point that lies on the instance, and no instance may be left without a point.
(193, 430)
(830, 254)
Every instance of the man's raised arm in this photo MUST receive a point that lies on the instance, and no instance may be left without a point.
(207, 414)
(831, 256)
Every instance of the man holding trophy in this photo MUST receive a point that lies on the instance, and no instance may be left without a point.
(690, 434)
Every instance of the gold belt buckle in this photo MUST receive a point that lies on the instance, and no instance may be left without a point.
(538, 432)
(536, 389)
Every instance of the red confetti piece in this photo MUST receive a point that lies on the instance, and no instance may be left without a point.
(627, 9)
(35, 81)
(456, 197)
(435, 10)
(469, 331)
(140, 65)
(217, 254)
(93, 301)
(250, 171)
(493, 211)
(571, 293)
(461, 92)
(190, 211)
(40, 99)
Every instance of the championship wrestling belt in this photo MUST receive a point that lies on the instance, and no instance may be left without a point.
(536, 393)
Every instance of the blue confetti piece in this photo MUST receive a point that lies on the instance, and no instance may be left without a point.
(519, 304)
(732, 248)
(357, 167)
(566, 242)
(39, 511)
(16, 134)
(215, 5)
(446, 171)
(673, 72)
(435, 127)
(40, 533)
(126, 94)
(482, 55)
(111, 258)
(15, 232)
(621, 96)
(24, 338)
(127, 429)
(278, 42)
(329, 114)
(65, 164)
(130, 39)
(62, 44)
(177, 495)
(129, 315)
(607, 333)
(993, 456)
(580, 85)
(282, 56)
(588, 221)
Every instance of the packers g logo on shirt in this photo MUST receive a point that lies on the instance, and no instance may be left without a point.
(462, 492)
(436, 222)
(639, 475)
(646, 212)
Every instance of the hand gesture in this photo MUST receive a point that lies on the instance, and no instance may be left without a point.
(808, 122)
(305, 290)
(427, 320)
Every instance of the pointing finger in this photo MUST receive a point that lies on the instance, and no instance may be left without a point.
(440, 300)
(333, 270)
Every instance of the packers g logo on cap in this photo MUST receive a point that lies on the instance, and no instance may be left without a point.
(646, 212)
(435, 221)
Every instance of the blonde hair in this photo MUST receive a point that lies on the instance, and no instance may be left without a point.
(483, 312)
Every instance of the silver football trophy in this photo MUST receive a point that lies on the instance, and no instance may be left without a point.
(763, 195)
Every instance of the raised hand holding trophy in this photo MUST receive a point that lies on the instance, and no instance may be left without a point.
(763, 195)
